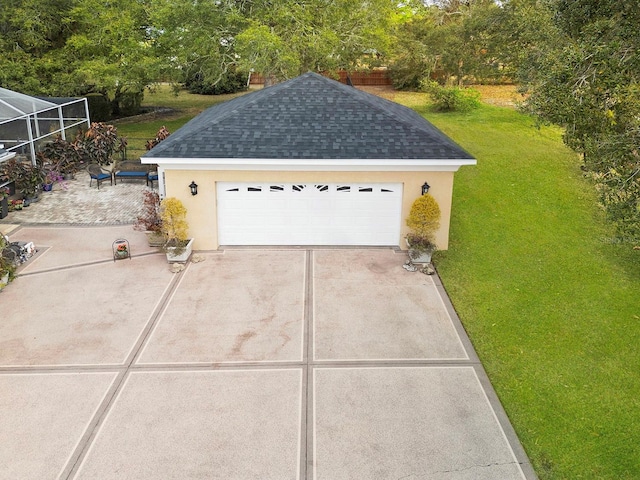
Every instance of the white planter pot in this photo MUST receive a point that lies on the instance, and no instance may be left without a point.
(419, 256)
(183, 256)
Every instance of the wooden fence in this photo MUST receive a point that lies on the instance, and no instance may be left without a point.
(372, 78)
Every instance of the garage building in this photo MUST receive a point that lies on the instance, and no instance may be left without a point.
(309, 161)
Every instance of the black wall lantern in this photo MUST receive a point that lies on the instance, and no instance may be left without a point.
(194, 188)
(425, 188)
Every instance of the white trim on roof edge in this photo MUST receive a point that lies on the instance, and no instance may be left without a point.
(310, 164)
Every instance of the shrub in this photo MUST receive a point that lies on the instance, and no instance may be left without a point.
(449, 99)
(424, 217)
(26, 176)
(231, 82)
(128, 103)
(149, 220)
(6, 265)
(174, 223)
(100, 142)
(405, 75)
(161, 135)
(63, 156)
(99, 107)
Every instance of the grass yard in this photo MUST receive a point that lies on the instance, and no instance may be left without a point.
(185, 106)
(549, 299)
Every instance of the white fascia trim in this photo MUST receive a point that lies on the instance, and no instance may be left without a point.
(311, 165)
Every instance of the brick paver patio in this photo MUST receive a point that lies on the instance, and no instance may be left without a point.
(75, 202)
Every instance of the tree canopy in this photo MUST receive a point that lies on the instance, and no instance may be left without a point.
(116, 48)
(582, 72)
(446, 40)
(577, 62)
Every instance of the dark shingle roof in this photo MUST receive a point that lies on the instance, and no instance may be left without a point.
(309, 117)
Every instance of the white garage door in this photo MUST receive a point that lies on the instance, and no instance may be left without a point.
(309, 214)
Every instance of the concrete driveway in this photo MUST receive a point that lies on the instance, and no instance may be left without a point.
(262, 364)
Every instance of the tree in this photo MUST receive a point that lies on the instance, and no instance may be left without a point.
(287, 38)
(414, 60)
(208, 39)
(450, 40)
(116, 48)
(465, 43)
(110, 51)
(70, 48)
(264, 51)
(31, 33)
(195, 39)
(584, 76)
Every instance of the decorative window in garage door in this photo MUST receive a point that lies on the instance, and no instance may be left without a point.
(319, 187)
(309, 214)
(310, 188)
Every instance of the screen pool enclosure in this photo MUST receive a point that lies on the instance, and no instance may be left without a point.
(26, 123)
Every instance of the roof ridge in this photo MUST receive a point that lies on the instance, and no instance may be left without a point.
(389, 110)
(251, 96)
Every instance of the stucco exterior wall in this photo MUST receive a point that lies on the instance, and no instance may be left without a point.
(202, 208)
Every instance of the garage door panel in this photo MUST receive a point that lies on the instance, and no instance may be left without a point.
(308, 214)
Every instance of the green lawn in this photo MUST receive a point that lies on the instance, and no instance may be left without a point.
(185, 105)
(549, 299)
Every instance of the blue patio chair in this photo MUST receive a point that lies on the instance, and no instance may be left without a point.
(153, 177)
(99, 174)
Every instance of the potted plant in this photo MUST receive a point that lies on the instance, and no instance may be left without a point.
(32, 184)
(51, 177)
(7, 268)
(100, 143)
(4, 203)
(424, 222)
(27, 177)
(121, 249)
(175, 230)
(149, 221)
(65, 157)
